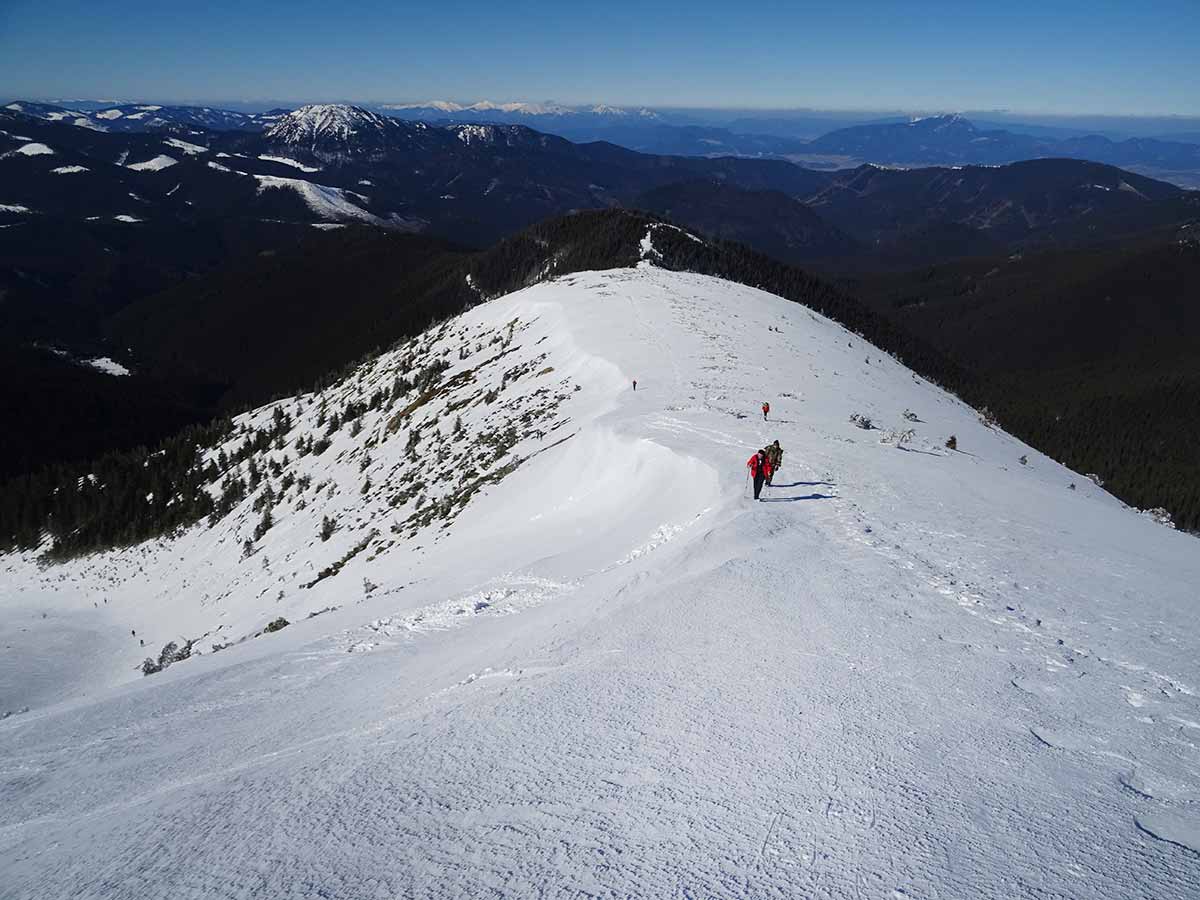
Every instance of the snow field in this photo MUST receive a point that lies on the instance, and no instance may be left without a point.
(33, 149)
(289, 162)
(157, 164)
(105, 364)
(910, 673)
(327, 202)
(186, 146)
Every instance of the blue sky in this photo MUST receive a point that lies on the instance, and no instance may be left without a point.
(1102, 56)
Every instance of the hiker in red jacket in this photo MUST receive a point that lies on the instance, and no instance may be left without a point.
(760, 470)
(766, 409)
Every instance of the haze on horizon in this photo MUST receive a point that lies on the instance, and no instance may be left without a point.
(1059, 58)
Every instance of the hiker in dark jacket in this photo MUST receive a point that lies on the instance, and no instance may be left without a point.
(775, 457)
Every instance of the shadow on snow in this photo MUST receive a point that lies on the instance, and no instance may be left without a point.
(794, 499)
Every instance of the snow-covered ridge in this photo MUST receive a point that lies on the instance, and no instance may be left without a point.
(535, 625)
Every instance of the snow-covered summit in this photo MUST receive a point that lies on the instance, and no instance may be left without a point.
(538, 638)
(320, 122)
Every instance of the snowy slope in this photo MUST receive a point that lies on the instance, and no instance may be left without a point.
(564, 653)
(327, 202)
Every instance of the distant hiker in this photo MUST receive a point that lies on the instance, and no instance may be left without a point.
(635, 385)
(766, 409)
(775, 457)
(760, 470)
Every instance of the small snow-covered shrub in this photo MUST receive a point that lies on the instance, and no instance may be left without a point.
(1024, 460)
(898, 438)
(276, 625)
(863, 422)
(1094, 479)
(952, 443)
(987, 418)
(1159, 515)
(911, 416)
(170, 654)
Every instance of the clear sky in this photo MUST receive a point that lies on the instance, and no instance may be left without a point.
(1099, 56)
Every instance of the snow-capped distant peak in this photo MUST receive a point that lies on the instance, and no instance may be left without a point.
(940, 122)
(526, 109)
(440, 105)
(522, 108)
(326, 121)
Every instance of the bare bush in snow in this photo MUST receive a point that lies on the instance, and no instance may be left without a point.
(898, 438)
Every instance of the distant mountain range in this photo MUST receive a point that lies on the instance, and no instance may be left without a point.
(952, 140)
(328, 165)
(929, 141)
(922, 142)
(487, 110)
(142, 117)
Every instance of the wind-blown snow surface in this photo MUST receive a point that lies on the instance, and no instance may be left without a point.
(910, 673)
